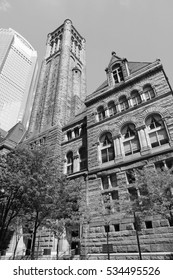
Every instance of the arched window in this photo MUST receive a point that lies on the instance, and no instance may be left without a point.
(117, 73)
(130, 139)
(124, 105)
(107, 147)
(82, 158)
(101, 113)
(136, 98)
(148, 92)
(112, 108)
(69, 163)
(156, 130)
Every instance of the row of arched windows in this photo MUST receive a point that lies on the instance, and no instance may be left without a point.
(81, 161)
(130, 142)
(124, 103)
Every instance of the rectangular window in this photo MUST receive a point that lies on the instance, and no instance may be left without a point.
(105, 183)
(159, 165)
(114, 195)
(130, 176)
(113, 179)
(133, 193)
(117, 227)
(148, 224)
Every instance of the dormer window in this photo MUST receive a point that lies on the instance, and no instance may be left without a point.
(117, 73)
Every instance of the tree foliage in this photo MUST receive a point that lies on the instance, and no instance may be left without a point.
(32, 189)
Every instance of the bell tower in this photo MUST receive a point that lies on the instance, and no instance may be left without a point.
(61, 87)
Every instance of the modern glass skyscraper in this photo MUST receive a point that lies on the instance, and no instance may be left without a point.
(18, 72)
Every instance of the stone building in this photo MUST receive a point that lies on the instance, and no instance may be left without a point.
(102, 137)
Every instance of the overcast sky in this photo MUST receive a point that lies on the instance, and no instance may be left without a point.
(139, 30)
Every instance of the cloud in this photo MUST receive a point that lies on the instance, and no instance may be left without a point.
(4, 5)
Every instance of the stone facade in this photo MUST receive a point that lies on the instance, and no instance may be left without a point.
(94, 141)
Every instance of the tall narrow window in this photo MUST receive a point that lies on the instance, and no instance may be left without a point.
(130, 139)
(124, 105)
(69, 135)
(148, 92)
(107, 147)
(117, 73)
(101, 113)
(82, 158)
(136, 98)
(156, 130)
(111, 108)
(69, 163)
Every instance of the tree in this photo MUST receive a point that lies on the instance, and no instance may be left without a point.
(12, 193)
(67, 213)
(152, 194)
(33, 190)
(42, 190)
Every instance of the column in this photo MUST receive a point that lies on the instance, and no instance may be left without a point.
(118, 107)
(145, 148)
(142, 95)
(99, 153)
(106, 112)
(72, 134)
(130, 102)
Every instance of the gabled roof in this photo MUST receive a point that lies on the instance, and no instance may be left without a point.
(2, 134)
(13, 136)
(135, 66)
(114, 59)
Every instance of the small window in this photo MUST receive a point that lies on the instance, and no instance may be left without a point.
(124, 105)
(107, 147)
(69, 163)
(133, 193)
(148, 92)
(101, 113)
(117, 73)
(156, 131)
(76, 132)
(170, 220)
(112, 108)
(113, 179)
(159, 165)
(148, 224)
(169, 163)
(82, 158)
(105, 183)
(136, 98)
(75, 233)
(114, 195)
(130, 139)
(117, 227)
(69, 135)
(130, 175)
